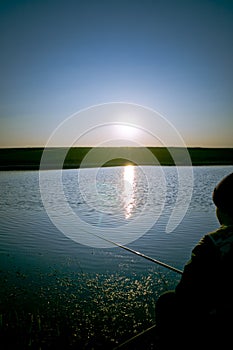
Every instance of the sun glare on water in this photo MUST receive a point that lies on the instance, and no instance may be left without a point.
(129, 174)
(129, 181)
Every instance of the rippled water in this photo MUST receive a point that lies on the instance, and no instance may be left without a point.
(25, 228)
(35, 255)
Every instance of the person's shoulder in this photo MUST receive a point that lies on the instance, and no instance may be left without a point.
(221, 235)
(215, 241)
(222, 238)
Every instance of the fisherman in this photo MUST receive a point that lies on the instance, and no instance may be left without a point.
(199, 312)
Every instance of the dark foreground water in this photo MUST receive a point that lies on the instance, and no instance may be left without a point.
(57, 291)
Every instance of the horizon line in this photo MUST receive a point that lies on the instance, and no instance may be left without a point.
(91, 146)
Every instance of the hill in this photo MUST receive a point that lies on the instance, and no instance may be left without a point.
(29, 158)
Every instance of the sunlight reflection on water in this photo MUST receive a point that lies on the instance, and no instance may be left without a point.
(129, 190)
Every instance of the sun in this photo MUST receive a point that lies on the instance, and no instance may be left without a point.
(125, 131)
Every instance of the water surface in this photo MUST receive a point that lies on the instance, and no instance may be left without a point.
(42, 270)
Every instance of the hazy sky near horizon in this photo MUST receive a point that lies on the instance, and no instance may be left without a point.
(174, 56)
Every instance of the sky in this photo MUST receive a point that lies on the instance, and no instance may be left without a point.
(59, 57)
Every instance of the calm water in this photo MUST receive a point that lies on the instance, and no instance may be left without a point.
(35, 256)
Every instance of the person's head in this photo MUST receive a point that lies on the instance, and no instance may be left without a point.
(223, 199)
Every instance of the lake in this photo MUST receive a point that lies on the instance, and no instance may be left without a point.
(84, 291)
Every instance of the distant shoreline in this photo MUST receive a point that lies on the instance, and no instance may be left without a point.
(29, 158)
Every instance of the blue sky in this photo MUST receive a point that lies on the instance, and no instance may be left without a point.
(58, 57)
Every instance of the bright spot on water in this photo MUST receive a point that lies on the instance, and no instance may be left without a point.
(129, 190)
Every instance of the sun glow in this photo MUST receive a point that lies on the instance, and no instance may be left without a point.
(125, 131)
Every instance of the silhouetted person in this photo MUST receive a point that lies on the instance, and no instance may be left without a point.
(199, 313)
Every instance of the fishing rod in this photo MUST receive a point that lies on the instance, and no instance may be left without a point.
(135, 337)
(158, 262)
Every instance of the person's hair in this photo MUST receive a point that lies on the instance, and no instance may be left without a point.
(223, 194)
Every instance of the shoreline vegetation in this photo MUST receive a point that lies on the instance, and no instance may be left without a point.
(29, 158)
